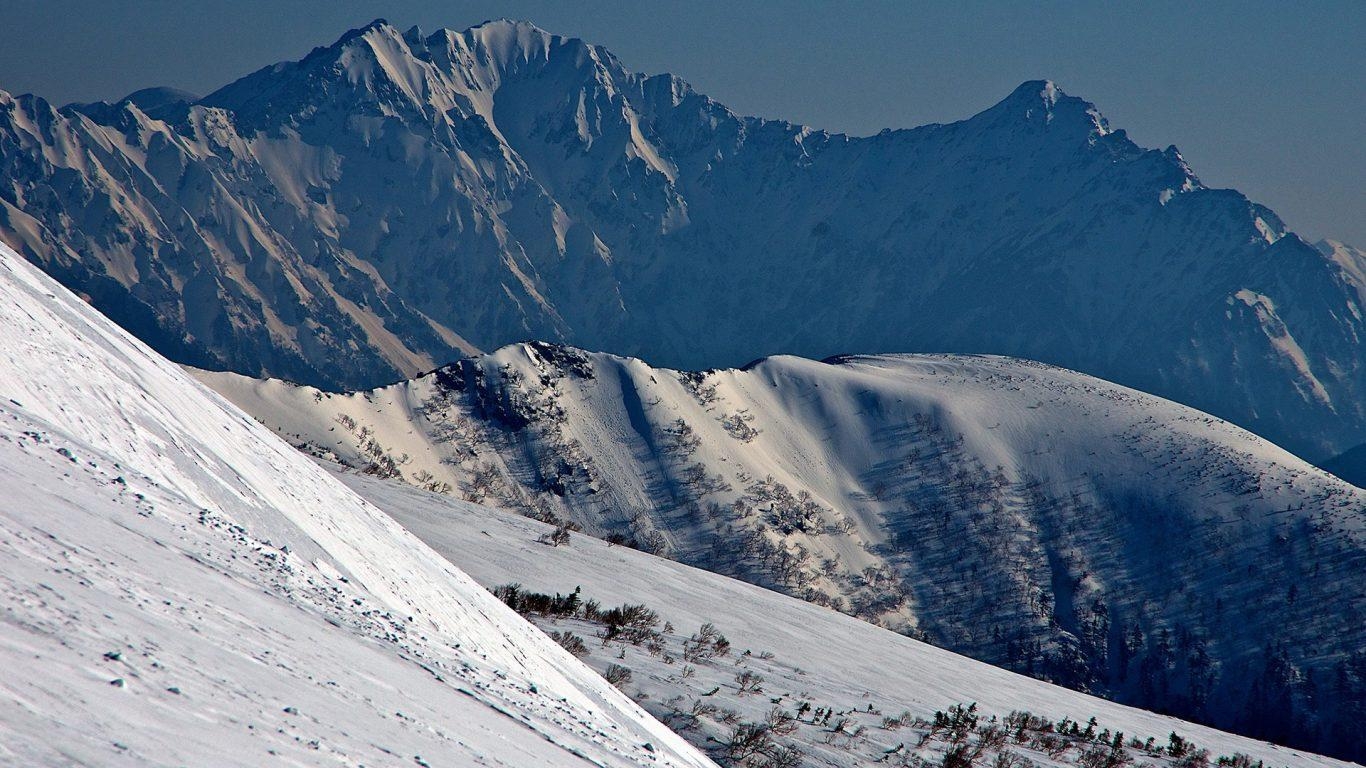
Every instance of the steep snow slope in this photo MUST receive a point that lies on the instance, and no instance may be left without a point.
(1349, 259)
(1015, 512)
(803, 653)
(179, 587)
(394, 199)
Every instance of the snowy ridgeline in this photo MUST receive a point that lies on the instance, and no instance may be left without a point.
(396, 199)
(756, 678)
(1022, 514)
(179, 587)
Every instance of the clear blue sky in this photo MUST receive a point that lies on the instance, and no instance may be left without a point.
(1267, 97)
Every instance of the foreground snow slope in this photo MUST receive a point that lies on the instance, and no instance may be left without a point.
(818, 655)
(1022, 514)
(178, 587)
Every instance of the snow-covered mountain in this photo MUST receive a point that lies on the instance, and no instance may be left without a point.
(393, 200)
(1022, 514)
(884, 687)
(179, 587)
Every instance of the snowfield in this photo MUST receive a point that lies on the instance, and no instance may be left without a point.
(180, 587)
(803, 652)
(1018, 513)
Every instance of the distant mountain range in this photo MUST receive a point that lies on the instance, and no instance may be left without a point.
(1350, 465)
(1022, 514)
(395, 200)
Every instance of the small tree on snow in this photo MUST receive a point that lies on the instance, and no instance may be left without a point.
(560, 535)
(617, 674)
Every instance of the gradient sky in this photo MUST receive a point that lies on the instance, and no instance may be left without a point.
(1266, 97)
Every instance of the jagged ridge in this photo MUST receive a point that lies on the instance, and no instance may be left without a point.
(394, 200)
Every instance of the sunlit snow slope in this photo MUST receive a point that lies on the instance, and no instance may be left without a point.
(179, 587)
(1019, 513)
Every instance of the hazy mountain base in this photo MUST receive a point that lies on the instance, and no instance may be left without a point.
(1350, 465)
(394, 200)
(1021, 514)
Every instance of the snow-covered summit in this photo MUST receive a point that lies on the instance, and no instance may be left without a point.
(1043, 101)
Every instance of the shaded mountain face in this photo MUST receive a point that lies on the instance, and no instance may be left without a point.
(395, 200)
(1350, 465)
(1021, 514)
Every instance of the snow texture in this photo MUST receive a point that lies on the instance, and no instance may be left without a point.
(180, 587)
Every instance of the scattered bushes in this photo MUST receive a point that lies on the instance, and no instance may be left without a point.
(560, 535)
(749, 682)
(570, 642)
(705, 644)
(752, 744)
(957, 737)
(634, 624)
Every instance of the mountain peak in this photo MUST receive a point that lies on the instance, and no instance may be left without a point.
(488, 30)
(395, 71)
(1045, 91)
(510, 39)
(1043, 102)
(378, 25)
(1043, 95)
(148, 99)
(504, 23)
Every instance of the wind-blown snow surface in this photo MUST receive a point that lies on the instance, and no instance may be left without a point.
(817, 655)
(180, 587)
(395, 199)
(1019, 513)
